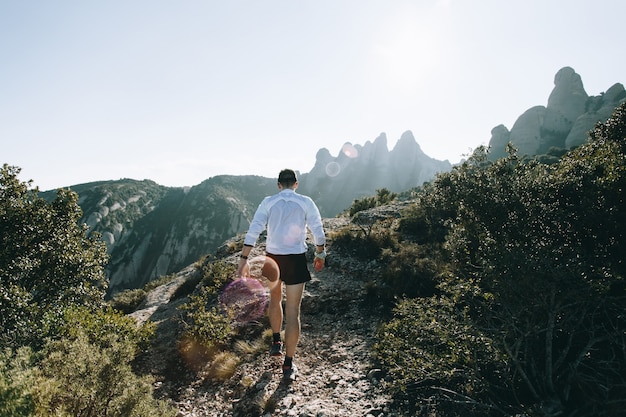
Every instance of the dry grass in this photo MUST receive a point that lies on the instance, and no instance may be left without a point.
(223, 366)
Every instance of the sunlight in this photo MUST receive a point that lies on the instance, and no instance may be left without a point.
(410, 46)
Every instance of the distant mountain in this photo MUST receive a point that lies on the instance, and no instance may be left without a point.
(563, 123)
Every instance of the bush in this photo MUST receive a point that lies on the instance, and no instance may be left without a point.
(17, 377)
(365, 242)
(205, 323)
(436, 356)
(101, 327)
(411, 273)
(128, 301)
(84, 379)
(535, 295)
(86, 371)
(383, 196)
(47, 261)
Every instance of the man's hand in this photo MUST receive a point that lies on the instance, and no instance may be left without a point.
(244, 269)
(318, 264)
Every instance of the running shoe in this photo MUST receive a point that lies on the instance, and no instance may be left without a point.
(276, 349)
(290, 372)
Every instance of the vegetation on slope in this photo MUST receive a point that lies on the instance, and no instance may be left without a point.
(62, 351)
(509, 277)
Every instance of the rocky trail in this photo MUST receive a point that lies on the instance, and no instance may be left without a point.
(337, 375)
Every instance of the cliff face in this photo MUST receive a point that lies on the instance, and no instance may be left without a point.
(563, 123)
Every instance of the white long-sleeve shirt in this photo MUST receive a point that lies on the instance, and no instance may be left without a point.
(286, 216)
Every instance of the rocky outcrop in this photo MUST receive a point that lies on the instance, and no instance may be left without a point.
(600, 108)
(563, 123)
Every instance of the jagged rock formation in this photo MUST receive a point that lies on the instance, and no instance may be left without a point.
(563, 123)
(358, 171)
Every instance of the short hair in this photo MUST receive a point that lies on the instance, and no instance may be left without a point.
(287, 177)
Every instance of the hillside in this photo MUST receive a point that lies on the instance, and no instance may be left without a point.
(338, 374)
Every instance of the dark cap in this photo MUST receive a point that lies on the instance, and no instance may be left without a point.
(287, 176)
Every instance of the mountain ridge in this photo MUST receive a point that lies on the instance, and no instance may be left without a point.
(153, 230)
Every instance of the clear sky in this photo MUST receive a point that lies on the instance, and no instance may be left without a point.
(180, 91)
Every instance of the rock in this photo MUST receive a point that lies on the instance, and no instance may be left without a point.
(567, 100)
(563, 123)
(526, 132)
(359, 171)
(500, 137)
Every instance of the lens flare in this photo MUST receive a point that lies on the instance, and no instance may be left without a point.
(333, 169)
(349, 150)
(265, 270)
(244, 300)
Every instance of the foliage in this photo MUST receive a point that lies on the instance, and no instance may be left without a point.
(102, 327)
(383, 196)
(411, 272)
(435, 354)
(86, 371)
(127, 301)
(365, 241)
(16, 380)
(535, 254)
(87, 379)
(47, 262)
(205, 323)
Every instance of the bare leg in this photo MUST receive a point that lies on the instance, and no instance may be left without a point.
(275, 309)
(292, 313)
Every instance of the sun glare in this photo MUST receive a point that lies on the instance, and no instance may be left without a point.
(410, 46)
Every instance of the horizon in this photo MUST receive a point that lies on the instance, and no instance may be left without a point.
(179, 93)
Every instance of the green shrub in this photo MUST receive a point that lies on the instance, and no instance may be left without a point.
(128, 301)
(204, 322)
(211, 328)
(383, 196)
(436, 356)
(530, 317)
(84, 379)
(365, 243)
(410, 273)
(47, 261)
(17, 377)
(101, 327)
(215, 274)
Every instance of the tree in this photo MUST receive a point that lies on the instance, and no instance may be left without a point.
(47, 260)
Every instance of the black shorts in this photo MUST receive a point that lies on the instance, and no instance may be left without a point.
(293, 268)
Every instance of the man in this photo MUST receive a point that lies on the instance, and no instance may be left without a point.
(286, 216)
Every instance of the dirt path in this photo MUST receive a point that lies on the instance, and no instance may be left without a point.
(337, 375)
